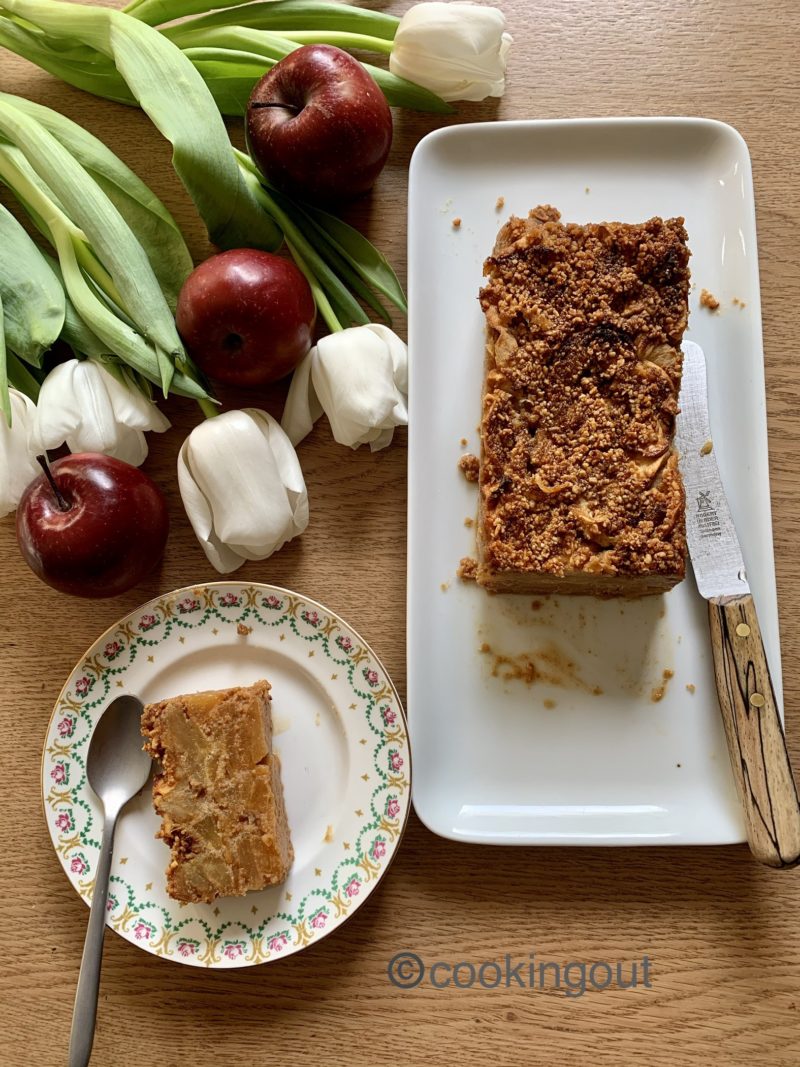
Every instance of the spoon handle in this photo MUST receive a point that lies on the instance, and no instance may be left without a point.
(85, 1010)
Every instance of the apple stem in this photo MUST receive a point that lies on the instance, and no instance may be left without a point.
(287, 107)
(42, 461)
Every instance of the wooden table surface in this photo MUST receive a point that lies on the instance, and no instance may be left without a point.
(721, 933)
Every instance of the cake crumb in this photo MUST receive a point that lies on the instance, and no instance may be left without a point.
(708, 300)
(457, 222)
(738, 303)
(707, 448)
(463, 442)
(243, 630)
(444, 586)
(470, 466)
(548, 664)
(548, 703)
(587, 189)
(658, 692)
(469, 521)
(317, 719)
(328, 834)
(690, 687)
(467, 569)
(500, 203)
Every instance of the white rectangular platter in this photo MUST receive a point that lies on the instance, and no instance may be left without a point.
(575, 721)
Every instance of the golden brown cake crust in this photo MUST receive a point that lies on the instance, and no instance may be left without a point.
(580, 489)
(219, 793)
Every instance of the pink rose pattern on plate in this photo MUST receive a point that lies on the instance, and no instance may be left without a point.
(60, 773)
(142, 930)
(78, 864)
(278, 942)
(352, 887)
(64, 822)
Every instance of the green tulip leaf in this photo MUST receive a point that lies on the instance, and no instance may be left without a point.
(177, 100)
(33, 300)
(152, 224)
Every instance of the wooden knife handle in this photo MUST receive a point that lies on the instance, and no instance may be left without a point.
(753, 728)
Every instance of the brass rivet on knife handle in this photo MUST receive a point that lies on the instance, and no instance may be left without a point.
(755, 736)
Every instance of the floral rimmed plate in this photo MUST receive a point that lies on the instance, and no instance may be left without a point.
(341, 735)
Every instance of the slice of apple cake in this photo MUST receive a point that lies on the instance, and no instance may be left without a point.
(219, 793)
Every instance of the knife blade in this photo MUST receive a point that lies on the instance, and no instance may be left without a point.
(753, 728)
(713, 545)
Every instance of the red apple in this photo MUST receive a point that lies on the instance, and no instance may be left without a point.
(246, 316)
(95, 528)
(318, 126)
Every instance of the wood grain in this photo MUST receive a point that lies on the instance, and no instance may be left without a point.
(756, 742)
(721, 931)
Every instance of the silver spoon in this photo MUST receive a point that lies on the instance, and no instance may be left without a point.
(117, 768)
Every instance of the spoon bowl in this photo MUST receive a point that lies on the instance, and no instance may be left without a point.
(117, 766)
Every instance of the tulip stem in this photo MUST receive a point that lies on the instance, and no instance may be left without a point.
(341, 39)
(320, 299)
(208, 407)
(42, 461)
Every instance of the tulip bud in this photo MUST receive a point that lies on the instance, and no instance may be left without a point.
(358, 378)
(457, 50)
(242, 487)
(83, 404)
(18, 449)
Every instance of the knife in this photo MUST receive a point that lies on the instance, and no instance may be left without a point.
(753, 729)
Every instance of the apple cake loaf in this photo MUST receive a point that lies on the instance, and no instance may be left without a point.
(219, 793)
(579, 484)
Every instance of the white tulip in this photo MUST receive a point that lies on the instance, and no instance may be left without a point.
(359, 379)
(457, 50)
(18, 449)
(242, 487)
(83, 404)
